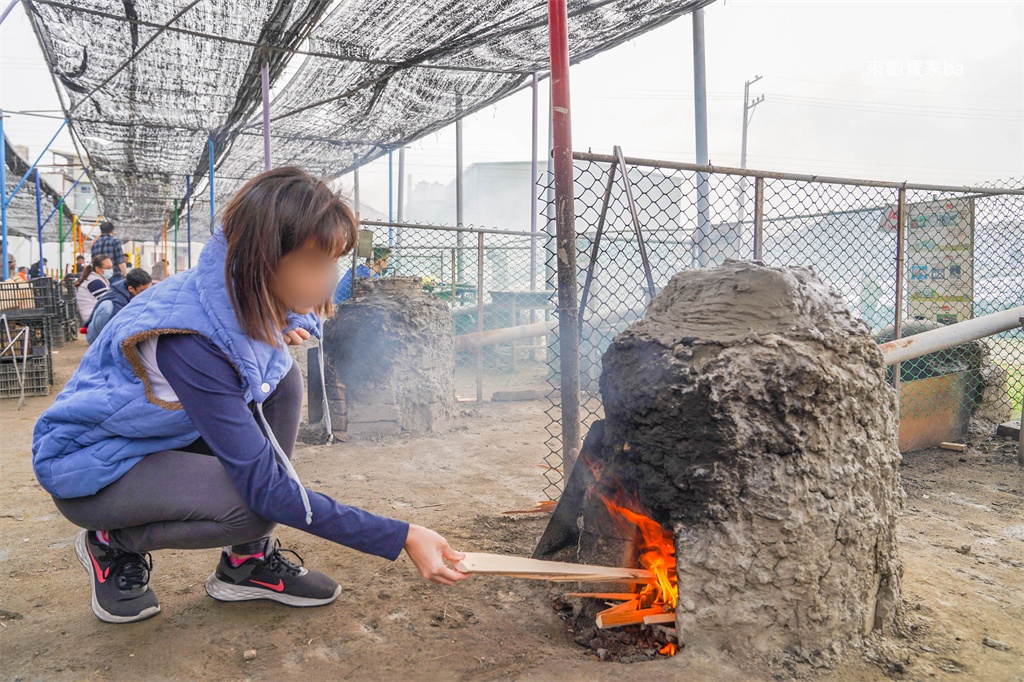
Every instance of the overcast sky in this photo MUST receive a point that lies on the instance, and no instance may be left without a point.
(923, 91)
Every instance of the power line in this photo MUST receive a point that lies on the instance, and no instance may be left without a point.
(879, 87)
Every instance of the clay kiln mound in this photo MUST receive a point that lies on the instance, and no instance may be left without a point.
(751, 413)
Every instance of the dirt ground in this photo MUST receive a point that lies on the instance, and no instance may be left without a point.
(962, 538)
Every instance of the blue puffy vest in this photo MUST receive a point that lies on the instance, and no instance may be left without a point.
(106, 419)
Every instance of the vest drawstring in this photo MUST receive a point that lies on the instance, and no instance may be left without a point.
(323, 385)
(283, 459)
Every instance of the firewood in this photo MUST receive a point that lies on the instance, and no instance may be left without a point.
(607, 596)
(660, 618)
(668, 633)
(535, 569)
(631, 605)
(615, 620)
(958, 447)
(542, 507)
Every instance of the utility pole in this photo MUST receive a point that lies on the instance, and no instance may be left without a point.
(748, 108)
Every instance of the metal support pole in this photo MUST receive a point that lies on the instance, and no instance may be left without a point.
(355, 249)
(400, 210)
(391, 201)
(73, 185)
(568, 331)
(188, 217)
(176, 235)
(759, 218)
(901, 213)
(7, 198)
(7, 10)
(1020, 424)
(533, 183)
(401, 185)
(355, 190)
(3, 197)
(700, 110)
(550, 209)
(265, 87)
(60, 235)
(636, 222)
(480, 316)
(459, 215)
(596, 247)
(39, 223)
(213, 209)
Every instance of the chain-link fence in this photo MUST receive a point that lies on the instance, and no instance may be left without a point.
(638, 222)
(492, 280)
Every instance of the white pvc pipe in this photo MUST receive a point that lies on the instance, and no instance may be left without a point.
(911, 347)
(504, 335)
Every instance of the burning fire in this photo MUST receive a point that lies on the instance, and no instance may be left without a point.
(654, 601)
(657, 555)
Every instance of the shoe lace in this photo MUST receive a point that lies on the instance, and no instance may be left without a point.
(277, 563)
(132, 570)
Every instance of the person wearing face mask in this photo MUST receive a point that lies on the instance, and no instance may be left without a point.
(91, 285)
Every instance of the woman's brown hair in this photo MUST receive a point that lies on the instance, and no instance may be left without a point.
(276, 212)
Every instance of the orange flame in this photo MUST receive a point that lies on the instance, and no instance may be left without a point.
(657, 554)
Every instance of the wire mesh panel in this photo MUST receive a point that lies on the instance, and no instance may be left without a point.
(639, 223)
(963, 260)
(452, 264)
(843, 232)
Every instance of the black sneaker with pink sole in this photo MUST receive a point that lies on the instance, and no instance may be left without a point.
(271, 576)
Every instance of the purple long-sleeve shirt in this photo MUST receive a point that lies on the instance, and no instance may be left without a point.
(211, 393)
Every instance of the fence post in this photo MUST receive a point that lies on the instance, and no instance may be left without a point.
(759, 218)
(565, 229)
(459, 205)
(901, 221)
(480, 315)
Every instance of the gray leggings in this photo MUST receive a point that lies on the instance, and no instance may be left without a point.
(183, 499)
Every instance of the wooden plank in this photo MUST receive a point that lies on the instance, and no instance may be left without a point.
(958, 447)
(610, 596)
(631, 605)
(536, 569)
(615, 620)
(660, 618)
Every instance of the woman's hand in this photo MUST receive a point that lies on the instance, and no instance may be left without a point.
(428, 550)
(295, 337)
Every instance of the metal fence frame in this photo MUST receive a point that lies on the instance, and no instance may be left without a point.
(470, 256)
(618, 164)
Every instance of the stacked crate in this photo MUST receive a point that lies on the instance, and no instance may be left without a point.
(25, 359)
(31, 304)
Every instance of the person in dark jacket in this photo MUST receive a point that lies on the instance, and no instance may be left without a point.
(38, 269)
(117, 297)
(177, 429)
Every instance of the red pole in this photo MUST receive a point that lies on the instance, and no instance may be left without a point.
(565, 233)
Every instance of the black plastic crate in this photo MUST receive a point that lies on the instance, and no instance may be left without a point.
(40, 342)
(55, 326)
(37, 339)
(33, 374)
(36, 294)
